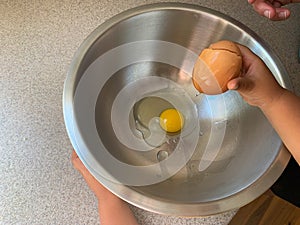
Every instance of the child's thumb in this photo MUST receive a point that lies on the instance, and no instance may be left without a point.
(233, 84)
(240, 84)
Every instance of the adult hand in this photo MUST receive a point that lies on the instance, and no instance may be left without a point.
(272, 9)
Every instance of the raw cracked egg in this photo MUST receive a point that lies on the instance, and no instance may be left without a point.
(164, 116)
(158, 120)
(171, 120)
(215, 66)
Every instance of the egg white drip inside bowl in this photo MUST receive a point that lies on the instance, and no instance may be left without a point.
(141, 144)
(138, 133)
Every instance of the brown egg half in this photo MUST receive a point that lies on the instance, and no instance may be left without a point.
(215, 66)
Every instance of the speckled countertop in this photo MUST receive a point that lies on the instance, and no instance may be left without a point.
(38, 40)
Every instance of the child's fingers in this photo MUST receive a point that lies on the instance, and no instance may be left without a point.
(248, 56)
(75, 159)
(78, 164)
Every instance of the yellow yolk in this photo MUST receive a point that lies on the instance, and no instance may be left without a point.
(171, 120)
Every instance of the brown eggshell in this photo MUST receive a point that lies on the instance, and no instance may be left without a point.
(226, 45)
(215, 66)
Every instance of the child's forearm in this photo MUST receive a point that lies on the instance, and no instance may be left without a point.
(284, 115)
(114, 211)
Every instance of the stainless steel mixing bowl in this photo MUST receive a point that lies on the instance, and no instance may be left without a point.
(230, 156)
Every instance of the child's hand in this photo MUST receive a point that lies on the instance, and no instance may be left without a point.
(110, 204)
(256, 85)
(100, 191)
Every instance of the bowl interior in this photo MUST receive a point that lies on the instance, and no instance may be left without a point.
(242, 143)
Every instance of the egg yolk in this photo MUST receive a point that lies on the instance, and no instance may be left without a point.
(171, 120)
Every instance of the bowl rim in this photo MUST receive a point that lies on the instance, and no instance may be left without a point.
(126, 193)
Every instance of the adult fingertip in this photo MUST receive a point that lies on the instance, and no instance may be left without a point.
(271, 12)
(267, 13)
(282, 14)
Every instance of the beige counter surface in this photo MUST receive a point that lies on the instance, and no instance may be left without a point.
(38, 40)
